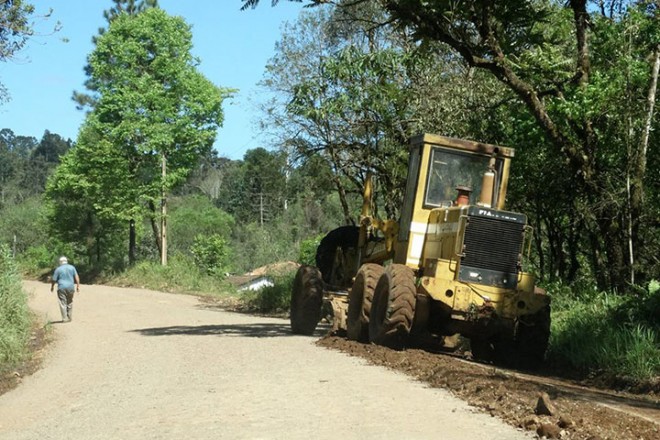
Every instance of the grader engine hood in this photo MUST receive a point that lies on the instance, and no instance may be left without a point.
(492, 247)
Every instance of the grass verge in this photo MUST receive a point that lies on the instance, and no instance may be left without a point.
(180, 275)
(15, 320)
(600, 333)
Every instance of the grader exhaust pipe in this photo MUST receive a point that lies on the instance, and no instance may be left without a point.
(487, 196)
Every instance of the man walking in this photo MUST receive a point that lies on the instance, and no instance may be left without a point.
(65, 276)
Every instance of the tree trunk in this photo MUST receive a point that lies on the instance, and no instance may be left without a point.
(340, 188)
(598, 264)
(538, 240)
(613, 241)
(98, 249)
(343, 200)
(639, 166)
(131, 242)
(573, 247)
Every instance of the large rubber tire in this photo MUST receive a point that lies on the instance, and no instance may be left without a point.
(527, 350)
(306, 300)
(359, 301)
(345, 237)
(482, 349)
(532, 341)
(393, 307)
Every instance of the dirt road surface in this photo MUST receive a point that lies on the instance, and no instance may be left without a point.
(137, 364)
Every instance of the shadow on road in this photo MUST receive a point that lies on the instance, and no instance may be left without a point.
(268, 330)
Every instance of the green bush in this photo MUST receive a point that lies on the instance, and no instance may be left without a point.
(43, 257)
(270, 299)
(25, 222)
(211, 254)
(36, 258)
(14, 312)
(192, 216)
(308, 250)
(606, 333)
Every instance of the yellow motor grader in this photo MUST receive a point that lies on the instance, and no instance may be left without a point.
(452, 265)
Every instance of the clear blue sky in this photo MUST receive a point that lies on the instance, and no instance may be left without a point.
(233, 46)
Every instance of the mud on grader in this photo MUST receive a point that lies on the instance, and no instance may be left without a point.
(452, 265)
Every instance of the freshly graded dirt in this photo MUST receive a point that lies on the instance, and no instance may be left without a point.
(579, 412)
(137, 364)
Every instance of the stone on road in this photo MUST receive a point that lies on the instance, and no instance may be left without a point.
(138, 364)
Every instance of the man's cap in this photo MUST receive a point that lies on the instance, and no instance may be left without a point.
(63, 260)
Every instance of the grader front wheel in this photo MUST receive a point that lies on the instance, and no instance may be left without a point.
(526, 350)
(393, 307)
(306, 300)
(532, 340)
(359, 301)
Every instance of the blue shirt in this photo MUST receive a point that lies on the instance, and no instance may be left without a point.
(64, 276)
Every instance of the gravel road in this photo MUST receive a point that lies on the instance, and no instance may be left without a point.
(138, 364)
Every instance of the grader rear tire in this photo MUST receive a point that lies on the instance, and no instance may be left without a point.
(359, 301)
(344, 237)
(393, 307)
(306, 300)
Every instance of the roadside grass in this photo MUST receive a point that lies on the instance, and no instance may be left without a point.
(15, 318)
(606, 334)
(181, 275)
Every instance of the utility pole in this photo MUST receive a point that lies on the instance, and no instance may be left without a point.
(163, 214)
(131, 242)
(261, 208)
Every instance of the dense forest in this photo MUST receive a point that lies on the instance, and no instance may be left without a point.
(250, 212)
(571, 86)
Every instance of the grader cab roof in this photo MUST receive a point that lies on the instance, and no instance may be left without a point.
(462, 144)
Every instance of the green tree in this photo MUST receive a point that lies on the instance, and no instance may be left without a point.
(340, 94)
(130, 7)
(353, 94)
(155, 115)
(25, 164)
(43, 160)
(15, 27)
(264, 183)
(253, 189)
(15, 30)
(91, 196)
(195, 215)
(51, 147)
(11, 163)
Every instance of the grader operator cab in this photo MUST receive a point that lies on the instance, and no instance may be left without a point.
(452, 265)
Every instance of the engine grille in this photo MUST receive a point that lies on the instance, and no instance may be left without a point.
(492, 247)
